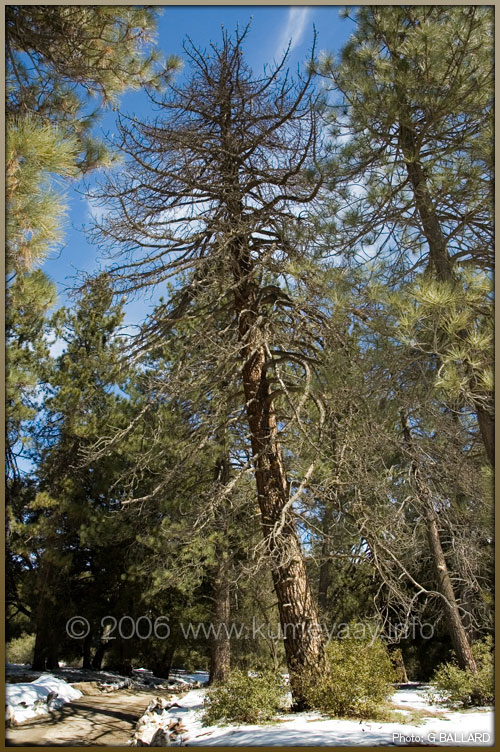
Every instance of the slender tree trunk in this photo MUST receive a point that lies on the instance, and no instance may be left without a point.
(431, 227)
(487, 429)
(439, 258)
(324, 580)
(170, 659)
(442, 264)
(86, 656)
(220, 659)
(325, 566)
(455, 627)
(303, 639)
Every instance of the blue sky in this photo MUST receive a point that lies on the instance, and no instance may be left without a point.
(271, 30)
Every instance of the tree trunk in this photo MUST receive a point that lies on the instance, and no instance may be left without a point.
(220, 659)
(440, 259)
(454, 624)
(303, 639)
(162, 667)
(46, 652)
(86, 657)
(487, 430)
(324, 569)
(324, 581)
(39, 654)
(45, 655)
(99, 655)
(438, 253)
(399, 665)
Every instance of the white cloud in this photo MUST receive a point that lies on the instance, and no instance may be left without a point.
(95, 211)
(294, 28)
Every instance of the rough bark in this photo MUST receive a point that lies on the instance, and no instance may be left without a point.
(487, 430)
(455, 627)
(303, 639)
(39, 654)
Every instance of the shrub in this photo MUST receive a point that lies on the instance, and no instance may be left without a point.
(21, 649)
(458, 687)
(245, 699)
(359, 683)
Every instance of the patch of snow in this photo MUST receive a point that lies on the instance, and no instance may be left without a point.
(183, 677)
(26, 700)
(55, 684)
(415, 698)
(307, 729)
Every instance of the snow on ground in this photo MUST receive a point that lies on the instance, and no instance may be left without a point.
(473, 728)
(25, 700)
(414, 695)
(185, 678)
(142, 678)
(14, 671)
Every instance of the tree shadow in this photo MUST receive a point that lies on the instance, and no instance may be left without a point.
(91, 724)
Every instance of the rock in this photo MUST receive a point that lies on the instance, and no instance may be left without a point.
(10, 719)
(157, 728)
(161, 738)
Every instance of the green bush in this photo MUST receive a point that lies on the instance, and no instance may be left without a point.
(359, 682)
(458, 687)
(245, 699)
(21, 649)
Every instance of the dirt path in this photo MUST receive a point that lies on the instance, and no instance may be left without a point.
(93, 720)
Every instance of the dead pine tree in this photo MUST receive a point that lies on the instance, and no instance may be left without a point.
(210, 195)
